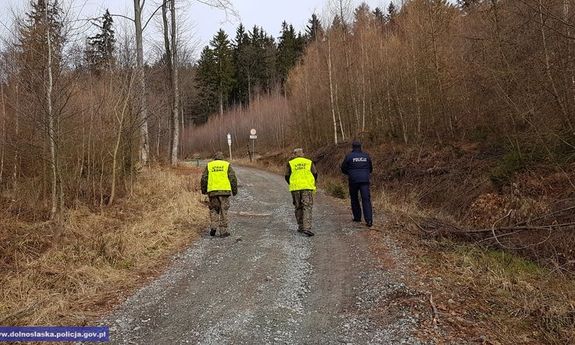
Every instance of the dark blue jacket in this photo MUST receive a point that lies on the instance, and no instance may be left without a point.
(357, 166)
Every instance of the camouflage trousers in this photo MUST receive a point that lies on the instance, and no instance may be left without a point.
(303, 202)
(219, 206)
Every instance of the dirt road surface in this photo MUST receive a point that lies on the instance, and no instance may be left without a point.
(267, 284)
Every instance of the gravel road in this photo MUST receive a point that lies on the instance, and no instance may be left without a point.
(267, 284)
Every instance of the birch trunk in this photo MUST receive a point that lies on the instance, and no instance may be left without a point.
(141, 94)
(3, 135)
(175, 86)
(17, 133)
(363, 86)
(329, 71)
(51, 125)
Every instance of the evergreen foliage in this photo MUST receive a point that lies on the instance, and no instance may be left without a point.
(101, 47)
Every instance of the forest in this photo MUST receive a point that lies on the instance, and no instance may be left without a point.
(497, 72)
(466, 107)
(78, 122)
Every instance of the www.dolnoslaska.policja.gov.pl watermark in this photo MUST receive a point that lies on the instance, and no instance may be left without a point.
(49, 333)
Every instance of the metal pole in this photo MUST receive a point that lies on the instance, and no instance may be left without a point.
(230, 146)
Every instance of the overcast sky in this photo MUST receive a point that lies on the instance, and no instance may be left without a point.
(200, 21)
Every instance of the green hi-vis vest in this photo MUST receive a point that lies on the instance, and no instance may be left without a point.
(218, 176)
(301, 177)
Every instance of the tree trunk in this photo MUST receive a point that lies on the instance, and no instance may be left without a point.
(221, 100)
(441, 88)
(120, 118)
(141, 93)
(416, 85)
(566, 10)
(364, 57)
(17, 135)
(168, 57)
(175, 87)
(329, 71)
(55, 209)
(90, 155)
(548, 69)
(3, 135)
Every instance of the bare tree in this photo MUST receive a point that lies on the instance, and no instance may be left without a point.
(4, 135)
(120, 112)
(141, 94)
(171, 45)
(331, 91)
(57, 190)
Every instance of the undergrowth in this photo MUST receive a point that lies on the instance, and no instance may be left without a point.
(66, 273)
(485, 293)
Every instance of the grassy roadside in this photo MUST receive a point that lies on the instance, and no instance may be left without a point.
(482, 293)
(69, 273)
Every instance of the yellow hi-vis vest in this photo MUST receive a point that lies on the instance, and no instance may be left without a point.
(218, 176)
(301, 177)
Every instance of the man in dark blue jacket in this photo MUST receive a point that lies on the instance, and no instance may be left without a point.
(357, 166)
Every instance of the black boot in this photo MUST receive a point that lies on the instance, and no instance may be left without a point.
(308, 233)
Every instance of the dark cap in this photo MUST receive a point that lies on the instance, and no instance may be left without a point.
(218, 155)
(356, 144)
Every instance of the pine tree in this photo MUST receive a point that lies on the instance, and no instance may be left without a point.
(101, 47)
(224, 67)
(206, 81)
(242, 67)
(362, 15)
(391, 13)
(288, 51)
(33, 38)
(379, 16)
(263, 54)
(314, 29)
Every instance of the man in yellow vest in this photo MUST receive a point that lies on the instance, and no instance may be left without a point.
(301, 175)
(219, 182)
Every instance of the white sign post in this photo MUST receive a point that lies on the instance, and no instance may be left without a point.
(230, 144)
(253, 137)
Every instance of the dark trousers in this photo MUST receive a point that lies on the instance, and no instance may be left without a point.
(354, 190)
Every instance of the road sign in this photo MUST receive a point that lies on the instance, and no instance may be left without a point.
(253, 137)
(253, 131)
(230, 144)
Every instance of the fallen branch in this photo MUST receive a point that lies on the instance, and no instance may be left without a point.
(521, 228)
(419, 226)
(434, 312)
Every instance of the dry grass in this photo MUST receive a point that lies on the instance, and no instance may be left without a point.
(482, 293)
(499, 295)
(68, 273)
